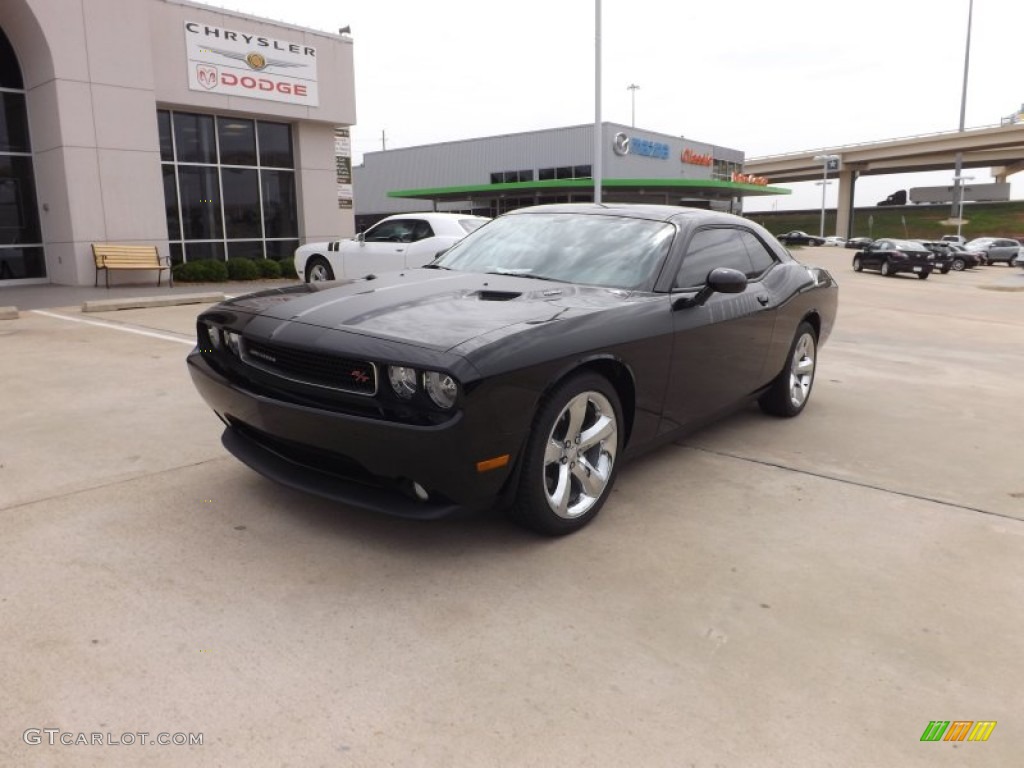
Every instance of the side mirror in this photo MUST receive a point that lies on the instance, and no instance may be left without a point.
(720, 280)
(361, 237)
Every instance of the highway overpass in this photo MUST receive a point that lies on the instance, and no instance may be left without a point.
(999, 147)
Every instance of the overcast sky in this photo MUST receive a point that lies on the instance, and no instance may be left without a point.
(762, 77)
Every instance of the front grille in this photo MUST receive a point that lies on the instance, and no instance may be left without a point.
(318, 369)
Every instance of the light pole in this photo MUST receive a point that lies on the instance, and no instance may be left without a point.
(826, 162)
(957, 192)
(597, 101)
(958, 186)
(634, 88)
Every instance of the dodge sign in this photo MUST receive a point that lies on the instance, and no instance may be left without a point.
(242, 64)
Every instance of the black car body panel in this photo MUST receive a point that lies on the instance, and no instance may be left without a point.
(891, 257)
(300, 375)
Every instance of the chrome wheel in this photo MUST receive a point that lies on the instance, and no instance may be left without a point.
(801, 370)
(318, 271)
(580, 454)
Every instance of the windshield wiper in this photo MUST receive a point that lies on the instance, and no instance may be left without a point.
(514, 273)
(435, 266)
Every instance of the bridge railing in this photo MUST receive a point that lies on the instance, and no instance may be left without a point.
(821, 150)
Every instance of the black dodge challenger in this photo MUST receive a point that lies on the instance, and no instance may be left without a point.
(519, 368)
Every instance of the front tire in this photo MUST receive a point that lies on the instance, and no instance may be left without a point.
(788, 394)
(959, 265)
(923, 275)
(857, 266)
(318, 270)
(569, 464)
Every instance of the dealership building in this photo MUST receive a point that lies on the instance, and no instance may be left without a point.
(204, 132)
(211, 134)
(492, 175)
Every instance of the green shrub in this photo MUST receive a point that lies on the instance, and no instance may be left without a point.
(202, 271)
(242, 269)
(268, 268)
(288, 268)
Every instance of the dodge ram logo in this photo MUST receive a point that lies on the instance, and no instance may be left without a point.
(207, 76)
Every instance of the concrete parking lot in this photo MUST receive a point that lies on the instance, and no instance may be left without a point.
(763, 593)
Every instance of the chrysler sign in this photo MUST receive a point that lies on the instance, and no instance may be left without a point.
(256, 67)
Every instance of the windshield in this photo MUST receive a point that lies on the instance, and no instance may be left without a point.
(611, 251)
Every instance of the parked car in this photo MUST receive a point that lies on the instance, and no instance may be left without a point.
(796, 237)
(964, 258)
(891, 257)
(859, 243)
(1018, 260)
(835, 241)
(956, 239)
(943, 259)
(520, 368)
(996, 249)
(396, 242)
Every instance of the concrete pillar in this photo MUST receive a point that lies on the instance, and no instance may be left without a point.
(1002, 173)
(844, 206)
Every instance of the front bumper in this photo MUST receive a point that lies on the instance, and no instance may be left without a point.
(361, 461)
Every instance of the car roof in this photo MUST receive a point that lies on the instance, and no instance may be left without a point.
(433, 216)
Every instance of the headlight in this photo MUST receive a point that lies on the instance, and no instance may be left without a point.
(403, 380)
(441, 387)
(231, 342)
(213, 334)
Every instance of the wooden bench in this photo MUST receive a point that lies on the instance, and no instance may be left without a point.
(110, 256)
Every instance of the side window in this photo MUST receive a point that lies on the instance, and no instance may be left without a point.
(708, 249)
(421, 231)
(761, 259)
(395, 231)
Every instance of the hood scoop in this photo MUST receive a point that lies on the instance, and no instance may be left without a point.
(495, 295)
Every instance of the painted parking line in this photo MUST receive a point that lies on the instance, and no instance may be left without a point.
(116, 327)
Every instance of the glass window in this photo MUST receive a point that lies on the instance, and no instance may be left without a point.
(761, 259)
(281, 249)
(276, 145)
(241, 202)
(525, 175)
(163, 121)
(20, 263)
(10, 72)
(280, 214)
(171, 203)
(193, 135)
(19, 218)
(200, 203)
(564, 172)
(199, 251)
(546, 174)
(13, 123)
(237, 141)
(245, 249)
(582, 172)
(393, 231)
(497, 178)
(709, 249)
(177, 253)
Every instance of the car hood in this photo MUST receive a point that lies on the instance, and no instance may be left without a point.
(435, 309)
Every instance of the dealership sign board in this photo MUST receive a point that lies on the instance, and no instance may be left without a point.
(241, 64)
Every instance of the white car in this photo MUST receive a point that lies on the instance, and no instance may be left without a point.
(835, 240)
(397, 242)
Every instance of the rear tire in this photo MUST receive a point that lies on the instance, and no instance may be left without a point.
(569, 464)
(959, 265)
(923, 275)
(789, 392)
(886, 269)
